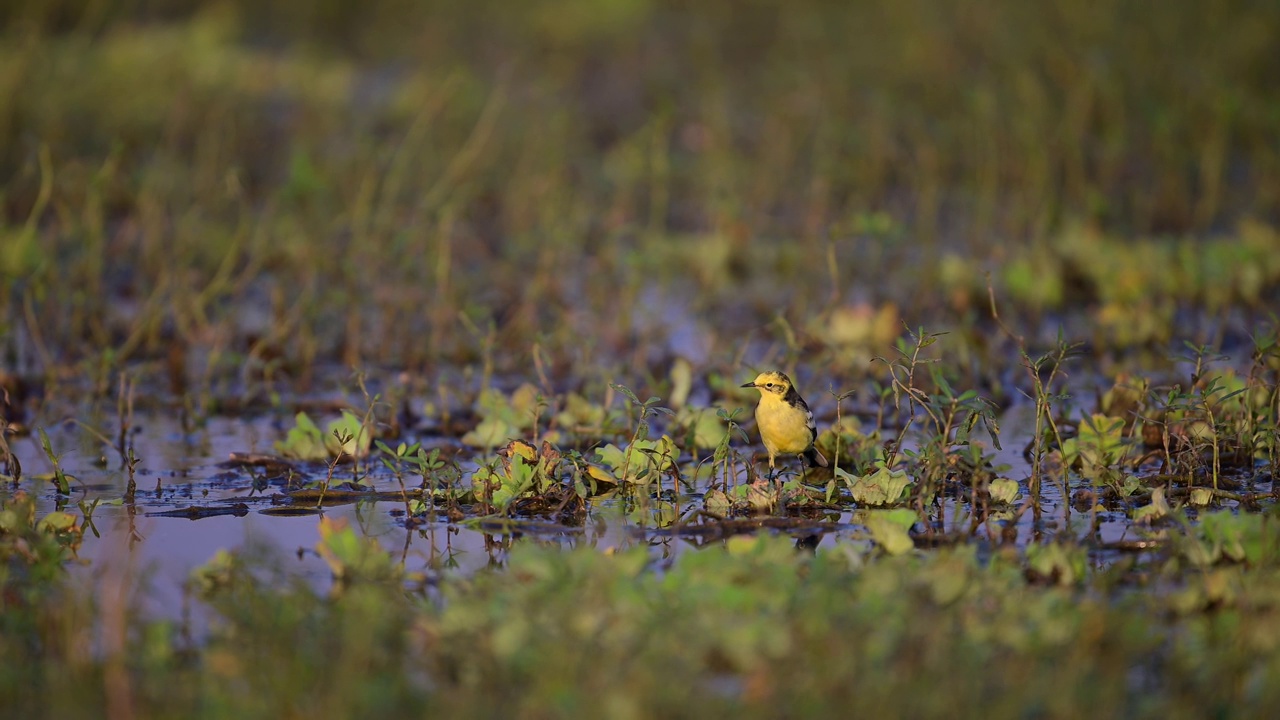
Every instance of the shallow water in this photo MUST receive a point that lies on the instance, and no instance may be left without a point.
(246, 510)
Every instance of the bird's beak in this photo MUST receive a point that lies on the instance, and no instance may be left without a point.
(750, 384)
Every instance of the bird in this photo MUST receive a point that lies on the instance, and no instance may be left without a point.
(784, 419)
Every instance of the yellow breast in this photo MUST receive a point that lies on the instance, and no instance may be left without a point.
(783, 428)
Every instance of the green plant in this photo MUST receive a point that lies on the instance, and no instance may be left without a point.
(61, 479)
(519, 471)
(507, 418)
(1044, 371)
(879, 488)
(394, 460)
(725, 456)
(664, 452)
(347, 436)
(1099, 445)
(354, 559)
(949, 446)
(643, 462)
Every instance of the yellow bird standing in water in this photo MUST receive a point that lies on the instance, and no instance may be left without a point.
(785, 421)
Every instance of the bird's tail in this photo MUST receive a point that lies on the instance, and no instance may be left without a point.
(815, 458)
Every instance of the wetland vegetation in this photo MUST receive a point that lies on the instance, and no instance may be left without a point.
(386, 357)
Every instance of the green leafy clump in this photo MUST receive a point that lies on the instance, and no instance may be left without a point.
(505, 418)
(519, 471)
(701, 428)
(890, 528)
(347, 435)
(642, 462)
(355, 558)
(749, 611)
(581, 417)
(33, 552)
(1100, 444)
(845, 444)
(1035, 279)
(880, 488)
(1224, 535)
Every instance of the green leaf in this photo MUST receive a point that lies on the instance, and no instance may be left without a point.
(703, 424)
(1004, 490)
(490, 433)
(57, 521)
(580, 414)
(649, 458)
(352, 427)
(626, 391)
(717, 501)
(1236, 537)
(1060, 563)
(1099, 444)
(1158, 508)
(1201, 496)
(882, 487)
(889, 528)
(304, 441)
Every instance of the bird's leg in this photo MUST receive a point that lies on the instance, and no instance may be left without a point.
(799, 474)
(782, 503)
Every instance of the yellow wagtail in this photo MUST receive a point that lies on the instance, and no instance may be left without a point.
(785, 421)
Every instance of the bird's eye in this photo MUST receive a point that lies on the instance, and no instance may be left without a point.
(768, 384)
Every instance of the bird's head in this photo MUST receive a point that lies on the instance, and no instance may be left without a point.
(771, 382)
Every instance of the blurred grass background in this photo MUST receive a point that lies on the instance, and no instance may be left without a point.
(571, 183)
(407, 182)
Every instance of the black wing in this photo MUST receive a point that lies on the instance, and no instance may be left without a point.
(793, 398)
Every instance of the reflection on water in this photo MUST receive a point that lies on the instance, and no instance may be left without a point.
(244, 509)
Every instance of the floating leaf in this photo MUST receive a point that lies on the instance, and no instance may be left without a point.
(890, 528)
(1003, 490)
(760, 495)
(601, 475)
(1158, 508)
(717, 501)
(521, 448)
(490, 433)
(882, 487)
(57, 521)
